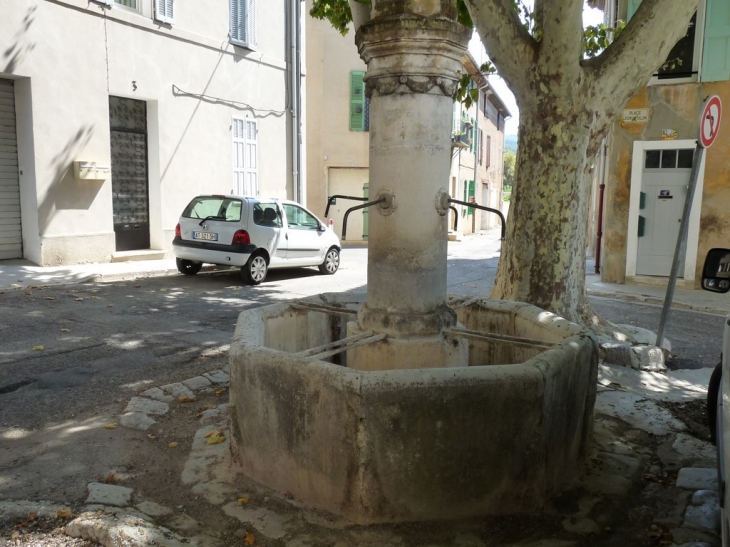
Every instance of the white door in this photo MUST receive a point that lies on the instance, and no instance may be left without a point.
(663, 192)
(303, 236)
(11, 243)
(347, 182)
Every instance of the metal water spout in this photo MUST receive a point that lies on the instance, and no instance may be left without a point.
(413, 51)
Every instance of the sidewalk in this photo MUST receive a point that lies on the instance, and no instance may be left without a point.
(16, 274)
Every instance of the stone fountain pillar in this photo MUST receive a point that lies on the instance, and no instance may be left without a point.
(413, 49)
(361, 417)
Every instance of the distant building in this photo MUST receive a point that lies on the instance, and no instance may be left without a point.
(337, 135)
(478, 145)
(115, 113)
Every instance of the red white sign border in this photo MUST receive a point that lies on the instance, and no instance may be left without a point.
(714, 124)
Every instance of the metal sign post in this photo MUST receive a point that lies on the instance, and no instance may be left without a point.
(709, 126)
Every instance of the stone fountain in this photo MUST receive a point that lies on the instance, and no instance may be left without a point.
(409, 405)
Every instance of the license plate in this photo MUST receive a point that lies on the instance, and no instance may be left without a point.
(208, 236)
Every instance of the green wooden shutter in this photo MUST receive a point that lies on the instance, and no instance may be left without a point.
(716, 54)
(357, 101)
(631, 9)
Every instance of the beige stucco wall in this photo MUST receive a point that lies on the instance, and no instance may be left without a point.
(330, 57)
(671, 107)
(70, 56)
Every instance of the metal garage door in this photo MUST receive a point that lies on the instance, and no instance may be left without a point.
(10, 240)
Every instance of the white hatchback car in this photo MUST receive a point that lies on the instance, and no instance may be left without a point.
(255, 234)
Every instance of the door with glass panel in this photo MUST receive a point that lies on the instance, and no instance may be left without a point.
(130, 190)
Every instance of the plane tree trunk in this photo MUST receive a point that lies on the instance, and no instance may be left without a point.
(566, 105)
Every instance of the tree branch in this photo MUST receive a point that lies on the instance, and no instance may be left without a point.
(509, 46)
(627, 64)
(562, 35)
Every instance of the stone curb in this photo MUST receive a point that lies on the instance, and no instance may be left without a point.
(644, 299)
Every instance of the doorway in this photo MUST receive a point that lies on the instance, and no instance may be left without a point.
(659, 177)
(130, 187)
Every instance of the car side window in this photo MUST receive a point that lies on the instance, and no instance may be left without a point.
(266, 214)
(299, 219)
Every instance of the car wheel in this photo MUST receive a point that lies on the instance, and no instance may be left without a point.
(713, 394)
(188, 267)
(331, 262)
(254, 272)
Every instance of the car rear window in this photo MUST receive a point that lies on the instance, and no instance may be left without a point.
(215, 207)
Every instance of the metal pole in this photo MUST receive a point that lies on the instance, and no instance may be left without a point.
(699, 153)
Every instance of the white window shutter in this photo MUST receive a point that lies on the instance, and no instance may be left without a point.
(251, 166)
(238, 29)
(245, 157)
(251, 24)
(164, 11)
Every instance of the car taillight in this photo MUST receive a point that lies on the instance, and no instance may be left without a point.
(242, 237)
(178, 232)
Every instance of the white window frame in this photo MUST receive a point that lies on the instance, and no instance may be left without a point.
(166, 14)
(248, 12)
(693, 233)
(248, 148)
(137, 9)
(697, 57)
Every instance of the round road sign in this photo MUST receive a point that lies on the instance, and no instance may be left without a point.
(710, 121)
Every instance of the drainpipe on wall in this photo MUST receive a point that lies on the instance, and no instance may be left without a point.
(295, 88)
(599, 224)
(476, 160)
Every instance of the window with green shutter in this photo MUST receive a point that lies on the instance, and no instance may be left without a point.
(716, 55)
(683, 62)
(359, 104)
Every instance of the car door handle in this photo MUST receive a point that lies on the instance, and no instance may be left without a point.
(286, 236)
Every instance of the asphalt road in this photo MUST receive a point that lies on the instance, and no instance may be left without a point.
(696, 337)
(104, 342)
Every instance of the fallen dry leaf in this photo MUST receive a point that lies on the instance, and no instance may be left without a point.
(217, 439)
(28, 293)
(32, 286)
(15, 535)
(50, 297)
(64, 513)
(172, 445)
(110, 305)
(110, 426)
(38, 348)
(79, 299)
(110, 479)
(213, 433)
(65, 330)
(32, 516)
(249, 538)
(94, 297)
(130, 296)
(209, 407)
(151, 437)
(137, 286)
(219, 392)
(244, 501)
(185, 399)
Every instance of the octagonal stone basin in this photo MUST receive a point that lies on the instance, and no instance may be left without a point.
(498, 433)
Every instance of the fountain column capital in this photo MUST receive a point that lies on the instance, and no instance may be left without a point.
(408, 52)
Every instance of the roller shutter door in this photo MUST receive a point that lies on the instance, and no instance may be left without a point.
(10, 239)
